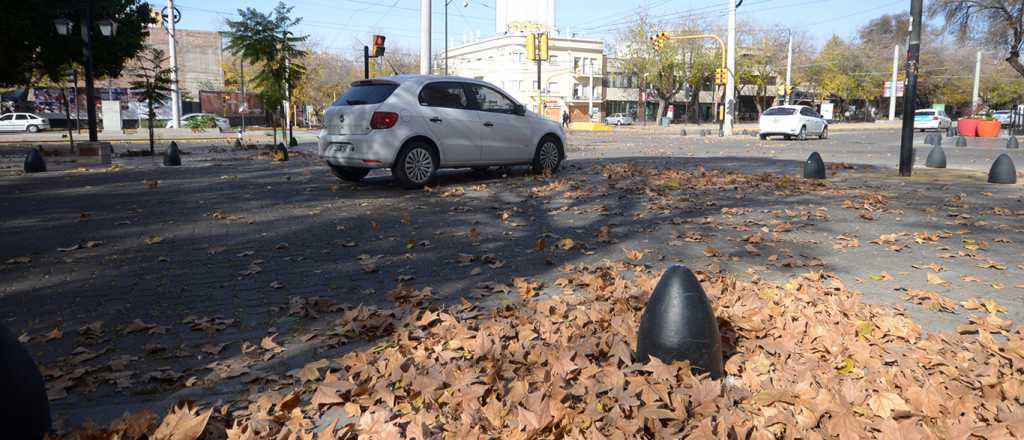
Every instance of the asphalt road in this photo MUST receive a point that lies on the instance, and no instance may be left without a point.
(217, 251)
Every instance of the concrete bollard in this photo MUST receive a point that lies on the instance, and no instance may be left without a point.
(172, 157)
(1012, 143)
(961, 141)
(25, 408)
(814, 167)
(34, 162)
(1003, 171)
(936, 158)
(679, 324)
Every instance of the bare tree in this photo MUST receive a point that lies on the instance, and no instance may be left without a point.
(997, 22)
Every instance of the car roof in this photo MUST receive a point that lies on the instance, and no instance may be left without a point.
(794, 106)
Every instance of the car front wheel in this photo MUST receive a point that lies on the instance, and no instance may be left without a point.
(416, 165)
(802, 136)
(824, 133)
(548, 157)
(349, 174)
(33, 129)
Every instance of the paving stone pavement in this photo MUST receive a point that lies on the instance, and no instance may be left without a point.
(235, 236)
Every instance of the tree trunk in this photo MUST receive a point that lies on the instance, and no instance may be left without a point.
(695, 104)
(152, 117)
(1014, 61)
(661, 110)
(273, 126)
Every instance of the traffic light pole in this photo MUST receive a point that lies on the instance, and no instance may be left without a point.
(540, 90)
(910, 94)
(366, 62)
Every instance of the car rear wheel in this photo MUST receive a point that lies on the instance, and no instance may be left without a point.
(549, 156)
(416, 165)
(763, 136)
(349, 174)
(824, 133)
(802, 136)
(33, 129)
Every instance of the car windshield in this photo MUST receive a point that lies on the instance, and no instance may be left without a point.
(365, 94)
(780, 111)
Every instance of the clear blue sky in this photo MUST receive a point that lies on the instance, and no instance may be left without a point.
(343, 24)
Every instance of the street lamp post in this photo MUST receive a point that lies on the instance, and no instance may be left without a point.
(109, 29)
(465, 4)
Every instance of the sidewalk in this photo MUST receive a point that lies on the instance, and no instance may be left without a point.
(252, 135)
(750, 127)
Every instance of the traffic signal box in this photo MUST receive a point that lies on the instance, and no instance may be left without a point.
(660, 39)
(377, 50)
(537, 47)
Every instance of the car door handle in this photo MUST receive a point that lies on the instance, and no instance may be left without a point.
(436, 119)
(488, 124)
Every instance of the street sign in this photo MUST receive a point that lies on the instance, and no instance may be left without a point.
(887, 90)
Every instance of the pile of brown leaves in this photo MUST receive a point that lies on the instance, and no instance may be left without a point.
(806, 359)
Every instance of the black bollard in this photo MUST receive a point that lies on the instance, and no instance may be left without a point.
(293, 142)
(238, 144)
(682, 132)
(25, 408)
(172, 157)
(1012, 143)
(950, 132)
(961, 141)
(937, 141)
(929, 138)
(936, 158)
(280, 153)
(678, 324)
(814, 167)
(1003, 171)
(34, 162)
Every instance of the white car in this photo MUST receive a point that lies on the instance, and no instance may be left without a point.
(930, 119)
(791, 121)
(417, 124)
(222, 123)
(619, 119)
(23, 122)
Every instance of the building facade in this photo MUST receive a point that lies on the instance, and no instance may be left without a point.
(572, 80)
(510, 14)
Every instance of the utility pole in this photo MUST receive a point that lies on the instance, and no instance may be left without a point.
(287, 89)
(730, 83)
(366, 62)
(425, 37)
(245, 102)
(892, 85)
(590, 97)
(789, 69)
(90, 89)
(910, 93)
(975, 98)
(175, 93)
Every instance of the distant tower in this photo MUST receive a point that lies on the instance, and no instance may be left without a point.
(517, 16)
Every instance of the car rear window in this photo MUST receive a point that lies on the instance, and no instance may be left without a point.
(366, 94)
(925, 112)
(780, 111)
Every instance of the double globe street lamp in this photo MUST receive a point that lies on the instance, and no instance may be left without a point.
(108, 28)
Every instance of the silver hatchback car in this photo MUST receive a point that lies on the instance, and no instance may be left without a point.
(417, 124)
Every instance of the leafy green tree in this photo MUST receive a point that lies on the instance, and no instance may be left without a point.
(152, 84)
(31, 45)
(637, 58)
(266, 42)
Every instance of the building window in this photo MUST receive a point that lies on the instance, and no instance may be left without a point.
(553, 60)
(552, 86)
(517, 57)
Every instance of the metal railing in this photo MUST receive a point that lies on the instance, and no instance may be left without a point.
(1016, 125)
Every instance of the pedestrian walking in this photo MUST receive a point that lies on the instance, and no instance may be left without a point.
(565, 119)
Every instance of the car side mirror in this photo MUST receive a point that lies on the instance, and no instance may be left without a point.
(519, 109)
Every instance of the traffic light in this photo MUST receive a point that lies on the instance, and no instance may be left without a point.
(543, 49)
(783, 90)
(378, 46)
(531, 47)
(660, 39)
(155, 17)
(721, 76)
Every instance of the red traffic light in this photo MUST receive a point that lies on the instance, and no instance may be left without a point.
(378, 40)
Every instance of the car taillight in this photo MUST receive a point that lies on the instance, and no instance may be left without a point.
(935, 118)
(383, 120)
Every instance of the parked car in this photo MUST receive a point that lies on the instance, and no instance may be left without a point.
(791, 121)
(619, 119)
(931, 119)
(222, 123)
(1003, 116)
(23, 122)
(417, 124)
